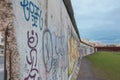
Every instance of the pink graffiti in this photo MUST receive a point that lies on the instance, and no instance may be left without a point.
(32, 57)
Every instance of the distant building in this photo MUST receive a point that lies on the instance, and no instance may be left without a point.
(85, 40)
(108, 48)
(94, 44)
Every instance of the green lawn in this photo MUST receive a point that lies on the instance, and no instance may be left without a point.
(106, 64)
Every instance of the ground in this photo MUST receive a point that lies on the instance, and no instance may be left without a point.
(86, 71)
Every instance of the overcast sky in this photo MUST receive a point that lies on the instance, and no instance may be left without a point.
(98, 20)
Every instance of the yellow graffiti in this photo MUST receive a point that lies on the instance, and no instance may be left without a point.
(73, 53)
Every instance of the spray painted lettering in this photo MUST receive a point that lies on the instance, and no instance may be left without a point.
(47, 46)
(59, 42)
(53, 47)
(33, 73)
(32, 10)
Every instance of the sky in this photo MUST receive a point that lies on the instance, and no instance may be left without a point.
(98, 20)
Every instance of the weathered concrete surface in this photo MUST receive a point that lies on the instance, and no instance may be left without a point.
(86, 71)
(6, 22)
(40, 36)
(86, 49)
(42, 40)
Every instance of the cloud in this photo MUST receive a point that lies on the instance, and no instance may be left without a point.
(96, 17)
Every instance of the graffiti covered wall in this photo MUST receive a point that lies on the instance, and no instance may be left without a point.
(46, 43)
(41, 42)
(74, 55)
(86, 49)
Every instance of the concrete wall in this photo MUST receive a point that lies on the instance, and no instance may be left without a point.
(43, 37)
(86, 49)
(7, 29)
(41, 42)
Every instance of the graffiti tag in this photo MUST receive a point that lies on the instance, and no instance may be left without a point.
(31, 59)
(33, 12)
(47, 47)
(59, 42)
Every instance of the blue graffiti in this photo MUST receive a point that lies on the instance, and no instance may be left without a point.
(32, 12)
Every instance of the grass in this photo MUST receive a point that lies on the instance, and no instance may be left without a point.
(106, 64)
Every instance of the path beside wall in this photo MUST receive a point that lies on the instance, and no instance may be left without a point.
(86, 71)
